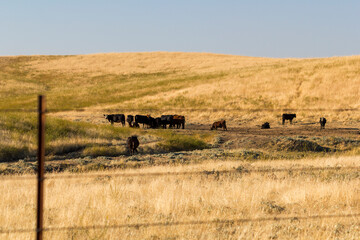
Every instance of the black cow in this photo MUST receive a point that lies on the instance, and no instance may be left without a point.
(322, 122)
(219, 124)
(130, 119)
(265, 126)
(115, 118)
(132, 143)
(167, 120)
(152, 122)
(289, 117)
(145, 120)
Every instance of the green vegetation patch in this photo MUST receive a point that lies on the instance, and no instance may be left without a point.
(180, 142)
(13, 153)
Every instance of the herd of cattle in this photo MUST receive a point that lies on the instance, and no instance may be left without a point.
(178, 121)
(175, 121)
(160, 122)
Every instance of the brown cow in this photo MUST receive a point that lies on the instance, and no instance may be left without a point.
(132, 143)
(219, 124)
(178, 120)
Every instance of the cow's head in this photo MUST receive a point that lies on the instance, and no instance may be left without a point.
(106, 116)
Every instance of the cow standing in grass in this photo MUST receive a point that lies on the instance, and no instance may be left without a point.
(219, 124)
(287, 116)
(129, 120)
(144, 119)
(322, 122)
(115, 118)
(179, 121)
(166, 120)
(132, 144)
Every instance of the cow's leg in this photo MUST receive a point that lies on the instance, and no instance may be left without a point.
(283, 122)
(112, 122)
(290, 120)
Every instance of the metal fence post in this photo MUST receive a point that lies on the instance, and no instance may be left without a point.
(41, 159)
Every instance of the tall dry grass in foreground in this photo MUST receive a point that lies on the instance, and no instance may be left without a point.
(110, 201)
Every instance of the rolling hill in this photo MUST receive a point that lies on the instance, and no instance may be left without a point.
(204, 87)
(161, 80)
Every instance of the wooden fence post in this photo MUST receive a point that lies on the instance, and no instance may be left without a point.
(41, 159)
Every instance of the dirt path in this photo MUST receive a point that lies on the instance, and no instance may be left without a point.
(255, 137)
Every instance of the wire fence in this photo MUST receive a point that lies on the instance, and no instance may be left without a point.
(41, 178)
(239, 171)
(235, 221)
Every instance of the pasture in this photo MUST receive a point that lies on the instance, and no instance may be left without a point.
(245, 91)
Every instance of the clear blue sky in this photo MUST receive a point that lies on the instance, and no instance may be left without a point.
(267, 28)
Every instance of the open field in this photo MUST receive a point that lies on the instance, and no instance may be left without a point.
(245, 91)
(203, 87)
(242, 194)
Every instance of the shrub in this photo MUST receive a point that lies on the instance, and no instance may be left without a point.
(175, 142)
(12, 153)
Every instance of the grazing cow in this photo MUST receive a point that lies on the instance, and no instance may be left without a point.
(265, 126)
(142, 119)
(129, 120)
(322, 122)
(132, 143)
(289, 117)
(178, 121)
(115, 118)
(219, 124)
(166, 119)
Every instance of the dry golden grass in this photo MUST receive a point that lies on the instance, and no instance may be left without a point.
(111, 201)
(180, 82)
(164, 80)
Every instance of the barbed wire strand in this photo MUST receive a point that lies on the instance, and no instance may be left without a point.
(239, 170)
(178, 223)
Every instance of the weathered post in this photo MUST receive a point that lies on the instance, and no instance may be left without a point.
(41, 159)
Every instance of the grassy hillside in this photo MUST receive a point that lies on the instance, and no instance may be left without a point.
(203, 87)
(178, 80)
